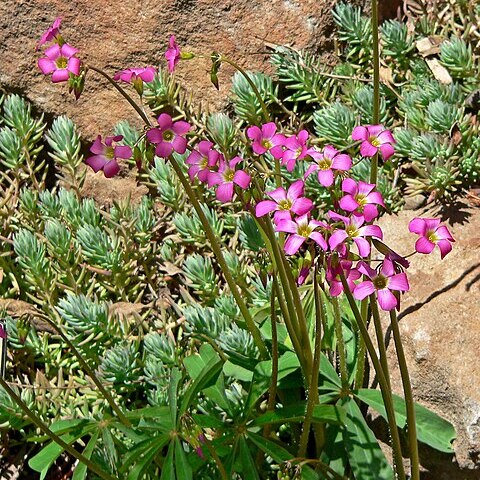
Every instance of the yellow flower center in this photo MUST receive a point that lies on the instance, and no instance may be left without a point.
(228, 175)
(61, 62)
(109, 152)
(380, 282)
(325, 164)
(203, 163)
(351, 231)
(432, 236)
(361, 199)
(285, 204)
(266, 143)
(298, 152)
(374, 141)
(304, 231)
(167, 135)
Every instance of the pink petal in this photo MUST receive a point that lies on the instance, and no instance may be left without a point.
(385, 137)
(417, 225)
(443, 233)
(386, 150)
(60, 75)
(258, 148)
(302, 136)
(165, 121)
(325, 177)
(350, 186)
(203, 175)
(68, 51)
(363, 246)
(360, 133)
(288, 226)
(181, 127)
(295, 190)
(336, 288)
(342, 162)
(204, 147)
(367, 149)
(264, 207)
(431, 224)
(337, 238)
(318, 238)
(278, 194)
(336, 216)
(53, 52)
(242, 179)
(148, 74)
(254, 133)
(311, 169)
(365, 188)
(386, 299)
(194, 158)
(371, 231)
(269, 129)
(96, 162)
(98, 147)
(225, 192)
(375, 197)
(424, 245)
(281, 215)
(399, 282)
(122, 151)
(369, 212)
(192, 171)
(387, 268)
(46, 65)
(445, 247)
(374, 130)
(214, 178)
(330, 152)
(365, 269)
(277, 152)
(301, 206)
(363, 289)
(278, 139)
(154, 135)
(111, 168)
(179, 144)
(348, 203)
(293, 243)
(164, 149)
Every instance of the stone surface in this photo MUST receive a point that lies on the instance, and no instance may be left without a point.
(441, 330)
(115, 35)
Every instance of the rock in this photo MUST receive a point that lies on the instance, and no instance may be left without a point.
(440, 327)
(116, 35)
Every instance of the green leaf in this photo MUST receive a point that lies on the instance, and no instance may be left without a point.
(81, 469)
(432, 429)
(364, 453)
(141, 448)
(205, 368)
(145, 458)
(328, 372)
(237, 371)
(182, 467)
(175, 377)
(168, 467)
(249, 469)
(296, 413)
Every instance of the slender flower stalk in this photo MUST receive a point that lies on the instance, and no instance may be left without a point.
(384, 386)
(410, 405)
(376, 85)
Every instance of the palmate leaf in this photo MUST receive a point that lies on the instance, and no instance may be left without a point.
(364, 453)
(431, 428)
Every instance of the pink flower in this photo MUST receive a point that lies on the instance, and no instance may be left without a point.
(296, 149)
(374, 138)
(431, 234)
(128, 75)
(333, 276)
(383, 282)
(266, 139)
(172, 54)
(285, 202)
(60, 61)
(168, 137)
(51, 32)
(202, 160)
(326, 162)
(3, 331)
(301, 229)
(361, 199)
(106, 155)
(354, 231)
(226, 177)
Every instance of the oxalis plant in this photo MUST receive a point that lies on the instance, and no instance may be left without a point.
(277, 392)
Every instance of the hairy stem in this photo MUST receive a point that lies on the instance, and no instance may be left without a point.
(379, 334)
(376, 84)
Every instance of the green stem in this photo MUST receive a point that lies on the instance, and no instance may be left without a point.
(266, 115)
(340, 345)
(108, 397)
(360, 374)
(214, 242)
(39, 423)
(376, 84)
(272, 391)
(125, 95)
(386, 392)
(380, 341)
(407, 389)
(313, 391)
